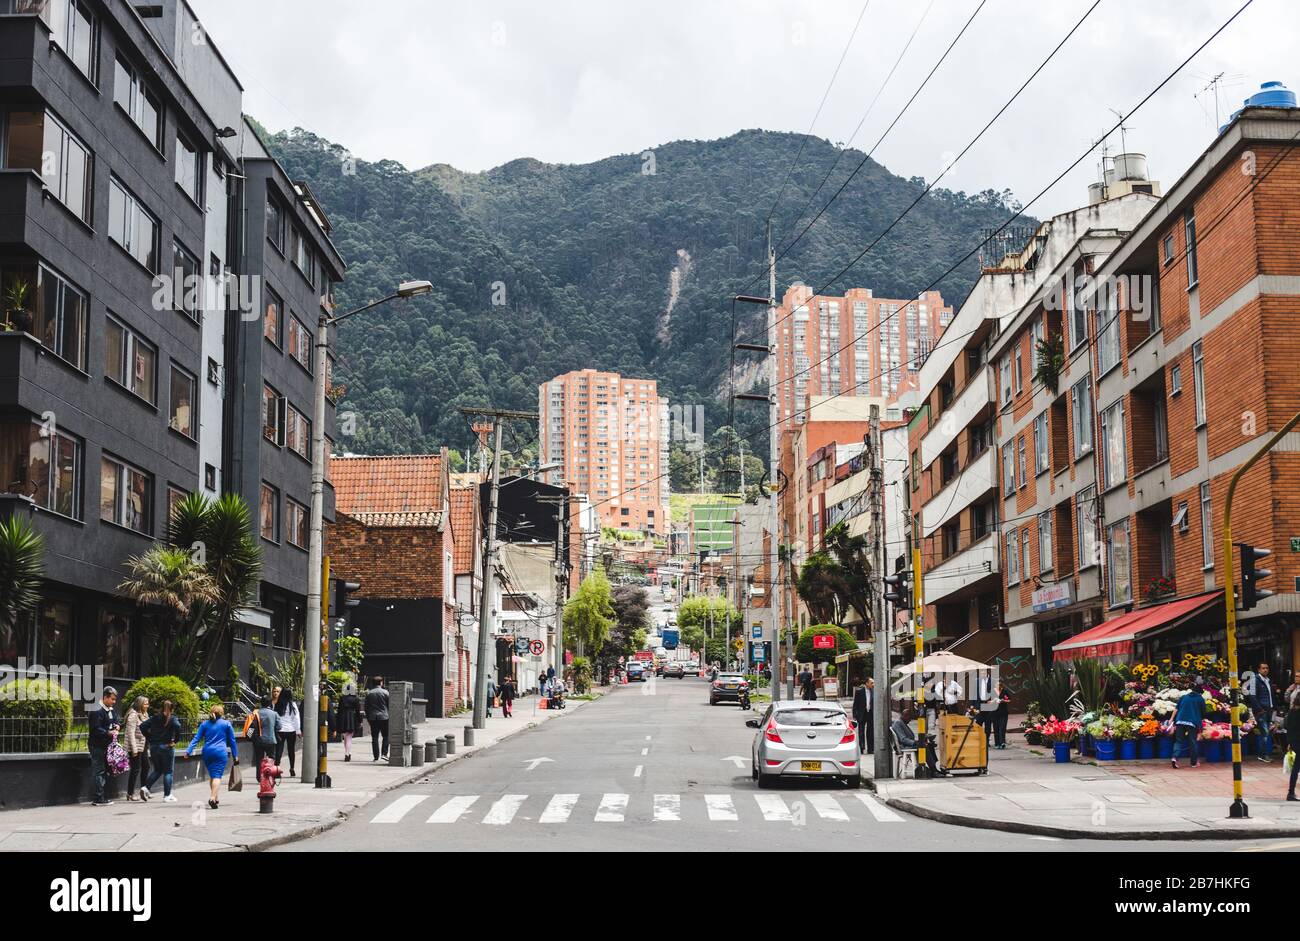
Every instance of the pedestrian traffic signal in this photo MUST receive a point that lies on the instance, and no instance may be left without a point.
(897, 592)
(1250, 575)
(341, 600)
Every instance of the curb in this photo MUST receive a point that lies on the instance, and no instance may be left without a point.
(1068, 833)
(343, 813)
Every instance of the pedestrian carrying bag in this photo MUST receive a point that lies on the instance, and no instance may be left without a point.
(236, 782)
(116, 757)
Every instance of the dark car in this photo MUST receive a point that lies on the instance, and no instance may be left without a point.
(727, 687)
(673, 669)
(635, 671)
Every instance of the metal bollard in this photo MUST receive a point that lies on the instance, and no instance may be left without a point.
(442, 747)
(417, 756)
(469, 735)
(451, 743)
(430, 752)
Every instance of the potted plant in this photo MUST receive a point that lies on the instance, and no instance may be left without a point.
(1050, 355)
(1126, 734)
(1159, 587)
(1104, 738)
(17, 316)
(1165, 743)
(1147, 732)
(1059, 733)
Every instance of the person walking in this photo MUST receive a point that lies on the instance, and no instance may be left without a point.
(1000, 716)
(1292, 742)
(136, 748)
(508, 697)
(162, 731)
(264, 732)
(492, 694)
(862, 716)
(219, 746)
(290, 724)
(348, 717)
(377, 716)
(1292, 691)
(807, 685)
(1188, 718)
(1262, 704)
(101, 723)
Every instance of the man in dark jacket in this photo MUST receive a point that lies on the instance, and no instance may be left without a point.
(507, 693)
(1262, 703)
(377, 716)
(808, 690)
(101, 722)
(863, 694)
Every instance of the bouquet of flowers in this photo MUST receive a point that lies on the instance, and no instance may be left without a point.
(1214, 731)
(1054, 731)
(1149, 728)
(1126, 728)
(1106, 727)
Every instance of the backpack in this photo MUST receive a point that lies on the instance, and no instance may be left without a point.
(116, 758)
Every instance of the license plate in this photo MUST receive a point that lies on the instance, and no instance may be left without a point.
(730, 686)
(810, 766)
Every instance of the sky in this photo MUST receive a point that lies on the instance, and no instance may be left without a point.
(475, 84)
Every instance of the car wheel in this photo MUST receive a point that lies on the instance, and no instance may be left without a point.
(853, 782)
(765, 781)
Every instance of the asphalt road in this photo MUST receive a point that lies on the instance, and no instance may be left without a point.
(646, 768)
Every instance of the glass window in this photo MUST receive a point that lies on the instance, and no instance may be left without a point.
(1026, 568)
(54, 633)
(295, 523)
(1040, 443)
(43, 462)
(138, 101)
(174, 497)
(1114, 458)
(1121, 581)
(1081, 407)
(189, 168)
(1086, 504)
(300, 342)
(72, 26)
(1013, 557)
(273, 414)
(1107, 341)
(130, 360)
(1189, 230)
(115, 642)
(1045, 541)
(132, 226)
(1020, 460)
(1005, 371)
(60, 317)
(271, 322)
(298, 432)
(1008, 470)
(1016, 375)
(1207, 527)
(275, 223)
(64, 162)
(269, 513)
(182, 401)
(1198, 382)
(185, 266)
(126, 495)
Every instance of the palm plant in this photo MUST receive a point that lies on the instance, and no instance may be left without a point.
(173, 580)
(22, 567)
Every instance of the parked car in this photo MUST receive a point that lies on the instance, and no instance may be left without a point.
(635, 672)
(805, 739)
(673, 669)
(727, 687)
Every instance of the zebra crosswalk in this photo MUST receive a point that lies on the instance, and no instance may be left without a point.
(553, 809)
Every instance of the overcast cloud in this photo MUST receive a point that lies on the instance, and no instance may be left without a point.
(476, 84)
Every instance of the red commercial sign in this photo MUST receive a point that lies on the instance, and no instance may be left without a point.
(823, 641)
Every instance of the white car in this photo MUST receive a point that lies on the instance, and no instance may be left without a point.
(805, 739)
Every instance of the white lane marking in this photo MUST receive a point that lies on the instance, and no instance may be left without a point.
(647, 738)
(637, 772)
(451, 811)
(399, 808)
(668, 807)
(611, 809)
(644, 752)
(558, 810)
(720, 807)
(878, 810)
(773, 808)
(735, 760)
(827, 807)
(534, 762)
(504, 810)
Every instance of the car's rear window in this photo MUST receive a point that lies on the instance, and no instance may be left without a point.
(810, 717)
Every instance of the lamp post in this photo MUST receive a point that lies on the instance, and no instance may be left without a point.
(311, 713)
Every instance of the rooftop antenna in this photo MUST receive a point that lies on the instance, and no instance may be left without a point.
(1213, 86)
(1123, 130)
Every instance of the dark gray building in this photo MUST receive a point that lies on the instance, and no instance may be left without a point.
(129, 221)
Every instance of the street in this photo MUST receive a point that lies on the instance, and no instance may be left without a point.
(646, 768)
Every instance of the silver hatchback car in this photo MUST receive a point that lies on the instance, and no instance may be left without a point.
(805, 739)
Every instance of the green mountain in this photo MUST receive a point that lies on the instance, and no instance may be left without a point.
(624, 264)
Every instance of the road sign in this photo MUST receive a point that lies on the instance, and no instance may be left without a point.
(758, 631)
(536, 648)
(738, 644)
(760, 654)
(521, 645)
(823, 641)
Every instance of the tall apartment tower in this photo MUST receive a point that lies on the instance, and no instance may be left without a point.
(856, 344)
(609, 434)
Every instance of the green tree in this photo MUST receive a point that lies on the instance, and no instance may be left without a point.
(22, 569)
(705, 622)
(821, 583)
(589, 615)
(182, 588)
(855, 569)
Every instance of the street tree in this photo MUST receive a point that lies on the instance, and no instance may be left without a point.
(589, 616)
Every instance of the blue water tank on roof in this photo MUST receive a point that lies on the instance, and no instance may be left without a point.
(1270, 95)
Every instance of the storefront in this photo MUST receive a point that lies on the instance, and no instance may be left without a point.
(1132, 636)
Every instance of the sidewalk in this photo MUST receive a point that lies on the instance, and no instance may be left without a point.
(301, 811)
(1026, 791)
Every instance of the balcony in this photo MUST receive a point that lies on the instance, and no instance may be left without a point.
(957, 574)
(977, 394)
(978, 480)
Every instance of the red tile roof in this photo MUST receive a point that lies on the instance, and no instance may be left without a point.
(464, 528)
(402, 483)
(418, 520)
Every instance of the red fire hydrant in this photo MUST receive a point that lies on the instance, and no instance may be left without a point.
(267, 772)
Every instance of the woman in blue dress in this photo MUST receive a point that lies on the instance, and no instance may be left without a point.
(218, 738)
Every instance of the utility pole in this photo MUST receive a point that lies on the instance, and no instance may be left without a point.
(485, 634)
(880, 665)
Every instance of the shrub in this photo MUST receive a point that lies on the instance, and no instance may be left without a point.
(158, 688)
(806, 653)
(47, 709)
(335, 680)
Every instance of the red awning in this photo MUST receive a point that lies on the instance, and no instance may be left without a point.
(1115, 637)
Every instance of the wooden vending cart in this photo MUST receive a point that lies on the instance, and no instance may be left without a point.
(962, 745)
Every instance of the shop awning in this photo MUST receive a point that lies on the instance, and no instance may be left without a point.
(1115, 637)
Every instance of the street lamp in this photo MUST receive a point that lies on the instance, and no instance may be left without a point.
(311, 657)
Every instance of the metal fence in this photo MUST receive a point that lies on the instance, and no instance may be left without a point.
(41, 735)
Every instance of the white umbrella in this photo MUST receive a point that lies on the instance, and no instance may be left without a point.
(968, 673)
(943, 662)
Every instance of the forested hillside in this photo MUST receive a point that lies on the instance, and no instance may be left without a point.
(623, 264)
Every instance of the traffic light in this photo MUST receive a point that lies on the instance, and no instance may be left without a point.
(897, 591)
(341, 600)
(1250, 575)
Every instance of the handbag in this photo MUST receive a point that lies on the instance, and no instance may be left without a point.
(236, 782)
(116, 757)
(496, 701)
